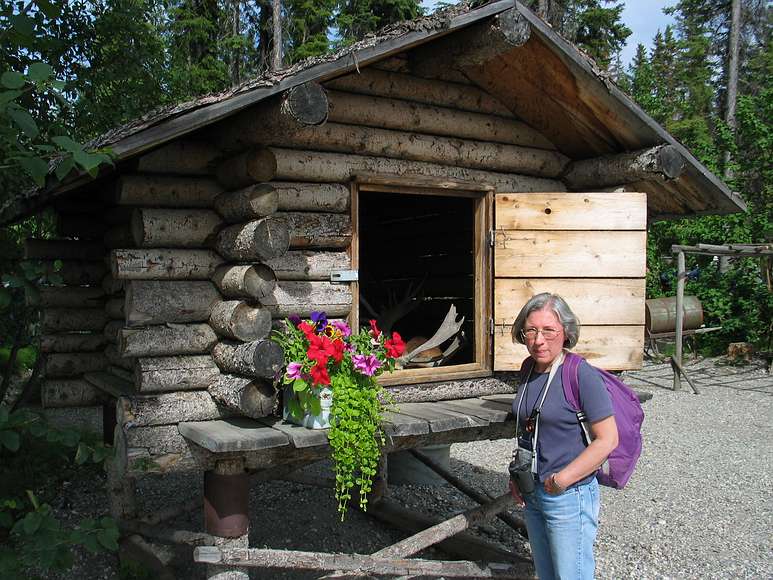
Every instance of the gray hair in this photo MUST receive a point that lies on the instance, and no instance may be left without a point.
(559, 307)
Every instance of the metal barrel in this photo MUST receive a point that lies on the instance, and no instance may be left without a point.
(660, 314)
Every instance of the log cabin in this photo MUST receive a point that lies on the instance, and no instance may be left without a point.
(468, 159)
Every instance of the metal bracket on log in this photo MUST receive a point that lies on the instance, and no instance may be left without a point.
(344, 276)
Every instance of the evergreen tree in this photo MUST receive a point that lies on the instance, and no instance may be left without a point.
(356, 18)
(308, 26)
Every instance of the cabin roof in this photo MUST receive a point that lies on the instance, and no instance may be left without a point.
(547, 82)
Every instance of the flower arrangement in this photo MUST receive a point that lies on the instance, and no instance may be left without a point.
(326, 354)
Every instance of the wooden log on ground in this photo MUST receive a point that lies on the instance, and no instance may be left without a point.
(180, 157)
(168, 409)
(301, 298)
(253, 201)
(72, 342)
(175, 373)
(35, 249)
(260, 239)
(112, 330)
(353, 109)
(70, 393)
(163, 264)
(151, 302)
(166, 191)
(663, 162)
(309, 265)
(318, 230)
(174, 228)
(70, 297)
(244, 396)
(114, 308)
(336, 137)
(319, 197)
(72, 319)
(114, 357)
(173, 339)
(75, 273)
(86, 226)
(259, 358)
(293, 165)
(72, 364)
(238, 320)
(246, 281)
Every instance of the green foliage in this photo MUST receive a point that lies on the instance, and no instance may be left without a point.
(356, 18)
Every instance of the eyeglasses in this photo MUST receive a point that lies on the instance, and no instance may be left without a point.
(547, 333)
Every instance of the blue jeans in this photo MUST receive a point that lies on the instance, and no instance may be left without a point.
(562, 529)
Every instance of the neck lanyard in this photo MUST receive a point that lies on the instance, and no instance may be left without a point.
(556, 363)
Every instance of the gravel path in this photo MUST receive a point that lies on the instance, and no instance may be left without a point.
(681, 516)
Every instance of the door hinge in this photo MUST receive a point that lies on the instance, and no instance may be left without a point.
(491, 326)
(344, 276)
(491, 238)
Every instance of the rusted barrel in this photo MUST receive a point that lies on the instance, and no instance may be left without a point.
(660, 314)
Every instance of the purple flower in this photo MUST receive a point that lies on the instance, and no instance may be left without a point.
(295, 319)
(294, 370)
(366, 364)
(319, 319)
(342, 326)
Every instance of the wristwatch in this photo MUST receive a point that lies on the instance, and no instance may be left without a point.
(554, 484)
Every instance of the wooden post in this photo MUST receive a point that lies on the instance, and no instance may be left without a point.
(226, 513)
(680, 280)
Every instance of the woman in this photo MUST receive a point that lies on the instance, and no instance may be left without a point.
(562, 510)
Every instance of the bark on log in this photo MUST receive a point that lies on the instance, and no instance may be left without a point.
(72, 319)
(319, 197)
(112, 285)
(369, 111)
(70, 393)
(175, 373)
(86, 226)
(246, 281)
(244, 396)
(122, 373)
(167, 340)
(663, 162)
(308, 265)
(168, 409)
(72, 364)
(295, 165)
(260, 358)
(238, 320)
(70, 297)
(478, 45)
(301, 298)
(336, 137)
(394, 85)
(179, 157)
(157, 302)
(119, 236)
(318, 230)
(113, 330)
(246, 168)
(174, 228)
(114, 357)
(163, 264)
(72, 342)
(35, 249)
(76, 273)
(261, 239)
(114, 308)
(166, 191)
(253, 201)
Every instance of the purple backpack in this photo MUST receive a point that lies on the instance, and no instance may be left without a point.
(628, 415)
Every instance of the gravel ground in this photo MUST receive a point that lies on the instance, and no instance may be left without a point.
(681, 516)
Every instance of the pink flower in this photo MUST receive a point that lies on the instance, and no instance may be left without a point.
(342, 326)
(366, 364)
(294, 370)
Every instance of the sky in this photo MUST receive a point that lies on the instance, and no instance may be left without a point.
(643, 17)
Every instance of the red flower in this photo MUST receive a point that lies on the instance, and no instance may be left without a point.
(374, 329)
(394, 346)
(338, 350)
(320, 349)
(319, 375)
(306, 328)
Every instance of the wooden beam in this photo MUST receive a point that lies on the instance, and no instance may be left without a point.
(663, 162)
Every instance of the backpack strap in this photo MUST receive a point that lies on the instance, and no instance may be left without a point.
(571, 383)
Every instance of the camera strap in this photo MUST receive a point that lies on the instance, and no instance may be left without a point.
(554, 367)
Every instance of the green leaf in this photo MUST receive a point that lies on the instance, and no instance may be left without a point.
(67, 144)
(316, 406)
(8, 96)
(50, 9)
(10, 440)
(31, 522)
(108, 537)
(24, 121)
(300, 385)
(36, 168)
(58, 84)
(40, 71)
(82, 454)
(12, 80)
(23, 24)
(6, 520)
(5, 298)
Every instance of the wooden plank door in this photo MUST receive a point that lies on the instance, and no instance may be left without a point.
(590, 248)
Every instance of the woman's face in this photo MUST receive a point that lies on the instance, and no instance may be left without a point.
(543, 350)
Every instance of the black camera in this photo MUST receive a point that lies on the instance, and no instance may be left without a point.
(520, 471)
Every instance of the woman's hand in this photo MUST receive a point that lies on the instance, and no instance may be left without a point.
(516, 494)
(553, 485)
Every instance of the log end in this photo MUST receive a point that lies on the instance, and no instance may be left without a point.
(267, 359)
(307, 103)
(671, 161)
(259, 281)
(271, 238)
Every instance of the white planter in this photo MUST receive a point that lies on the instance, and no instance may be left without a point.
(310, 421)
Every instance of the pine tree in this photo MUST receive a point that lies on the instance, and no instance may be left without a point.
(356, 18)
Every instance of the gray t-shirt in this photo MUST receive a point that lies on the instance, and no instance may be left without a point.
(560, 434)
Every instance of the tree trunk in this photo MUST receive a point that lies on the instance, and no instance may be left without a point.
(72, 319)
(276, 23)
(317, 197)
(174, 228)
(163, 264)
(732, 76)
(238, 320)
(179, 157)
(260, 358)
(70, 393)
(254, 201)
(308, 265)
(168, 409)
(158, 302)
(663, 162)
(318, 230)
(166, 191)
(261, 239)
(175, 373)
(35, 249)
(245, 281)
(70, 297)
(72, 342)
(114, 308)
(72, 364)
(166, 340)
(295, 165)
(244, 396)
(301, 298)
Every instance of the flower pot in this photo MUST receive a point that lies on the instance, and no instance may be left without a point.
(310, 420)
